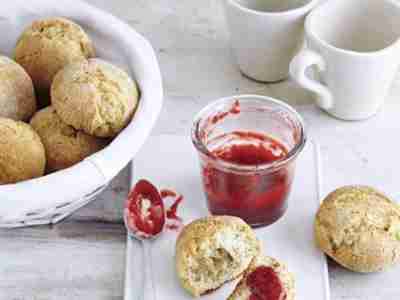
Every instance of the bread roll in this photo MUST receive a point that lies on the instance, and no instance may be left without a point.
(95, 96)
(17, 95)
(266, 287)
(359, 227)
(22, 155)
(47, 46)
(212, 251)
(64, 145)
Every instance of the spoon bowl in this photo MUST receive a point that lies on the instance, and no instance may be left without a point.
(144, 219)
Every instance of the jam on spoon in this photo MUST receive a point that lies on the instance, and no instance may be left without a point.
(146, 213)
(144, 218)
(144, 210)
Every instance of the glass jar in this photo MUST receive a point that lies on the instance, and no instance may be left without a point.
(248, 147)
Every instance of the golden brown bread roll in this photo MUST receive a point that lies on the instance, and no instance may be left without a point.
(22, 155)
(65, 146)
(95, 96)
(17, 95)
(48, 45)
(359, 228)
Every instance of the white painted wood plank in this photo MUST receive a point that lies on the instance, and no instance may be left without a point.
(68, 261)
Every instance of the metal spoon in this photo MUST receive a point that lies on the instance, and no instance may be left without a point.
(148, 291)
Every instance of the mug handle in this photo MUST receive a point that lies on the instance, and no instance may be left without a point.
(300, 63)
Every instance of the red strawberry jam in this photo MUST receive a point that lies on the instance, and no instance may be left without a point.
(146, 213)
(174, 222)
(242, 188)
(144, 210)
(265, 284)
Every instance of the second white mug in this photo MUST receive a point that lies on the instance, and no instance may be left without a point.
(265, 35)
(355, 45)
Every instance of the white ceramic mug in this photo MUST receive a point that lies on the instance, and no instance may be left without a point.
(266, 34)
(355, 45)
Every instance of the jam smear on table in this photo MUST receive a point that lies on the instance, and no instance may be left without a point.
(174, 222)
(259, 197)
(265, 284)
(167, 193)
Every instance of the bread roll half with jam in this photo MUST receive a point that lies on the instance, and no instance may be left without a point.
(266, 278)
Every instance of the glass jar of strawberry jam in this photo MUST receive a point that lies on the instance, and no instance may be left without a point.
(248, 147)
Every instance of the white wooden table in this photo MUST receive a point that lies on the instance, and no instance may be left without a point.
(84, 259)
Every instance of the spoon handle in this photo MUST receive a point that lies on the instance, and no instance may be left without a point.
(148, 285)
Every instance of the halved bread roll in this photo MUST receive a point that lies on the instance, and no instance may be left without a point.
(212, 251)
(273, 281)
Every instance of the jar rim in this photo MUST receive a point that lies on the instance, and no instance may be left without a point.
(262, 100)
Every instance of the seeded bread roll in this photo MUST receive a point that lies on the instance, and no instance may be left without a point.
(212, 251)
(64, 145)
(359, 228)
(17, 96)
(48, 45)
(242, 290)
(95, 96)
(22, 154)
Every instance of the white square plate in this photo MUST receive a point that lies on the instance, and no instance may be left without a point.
(171, 162)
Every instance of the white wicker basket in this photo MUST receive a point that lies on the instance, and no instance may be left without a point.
(51, 198)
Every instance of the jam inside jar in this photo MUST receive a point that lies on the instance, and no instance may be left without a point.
(247, 147)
